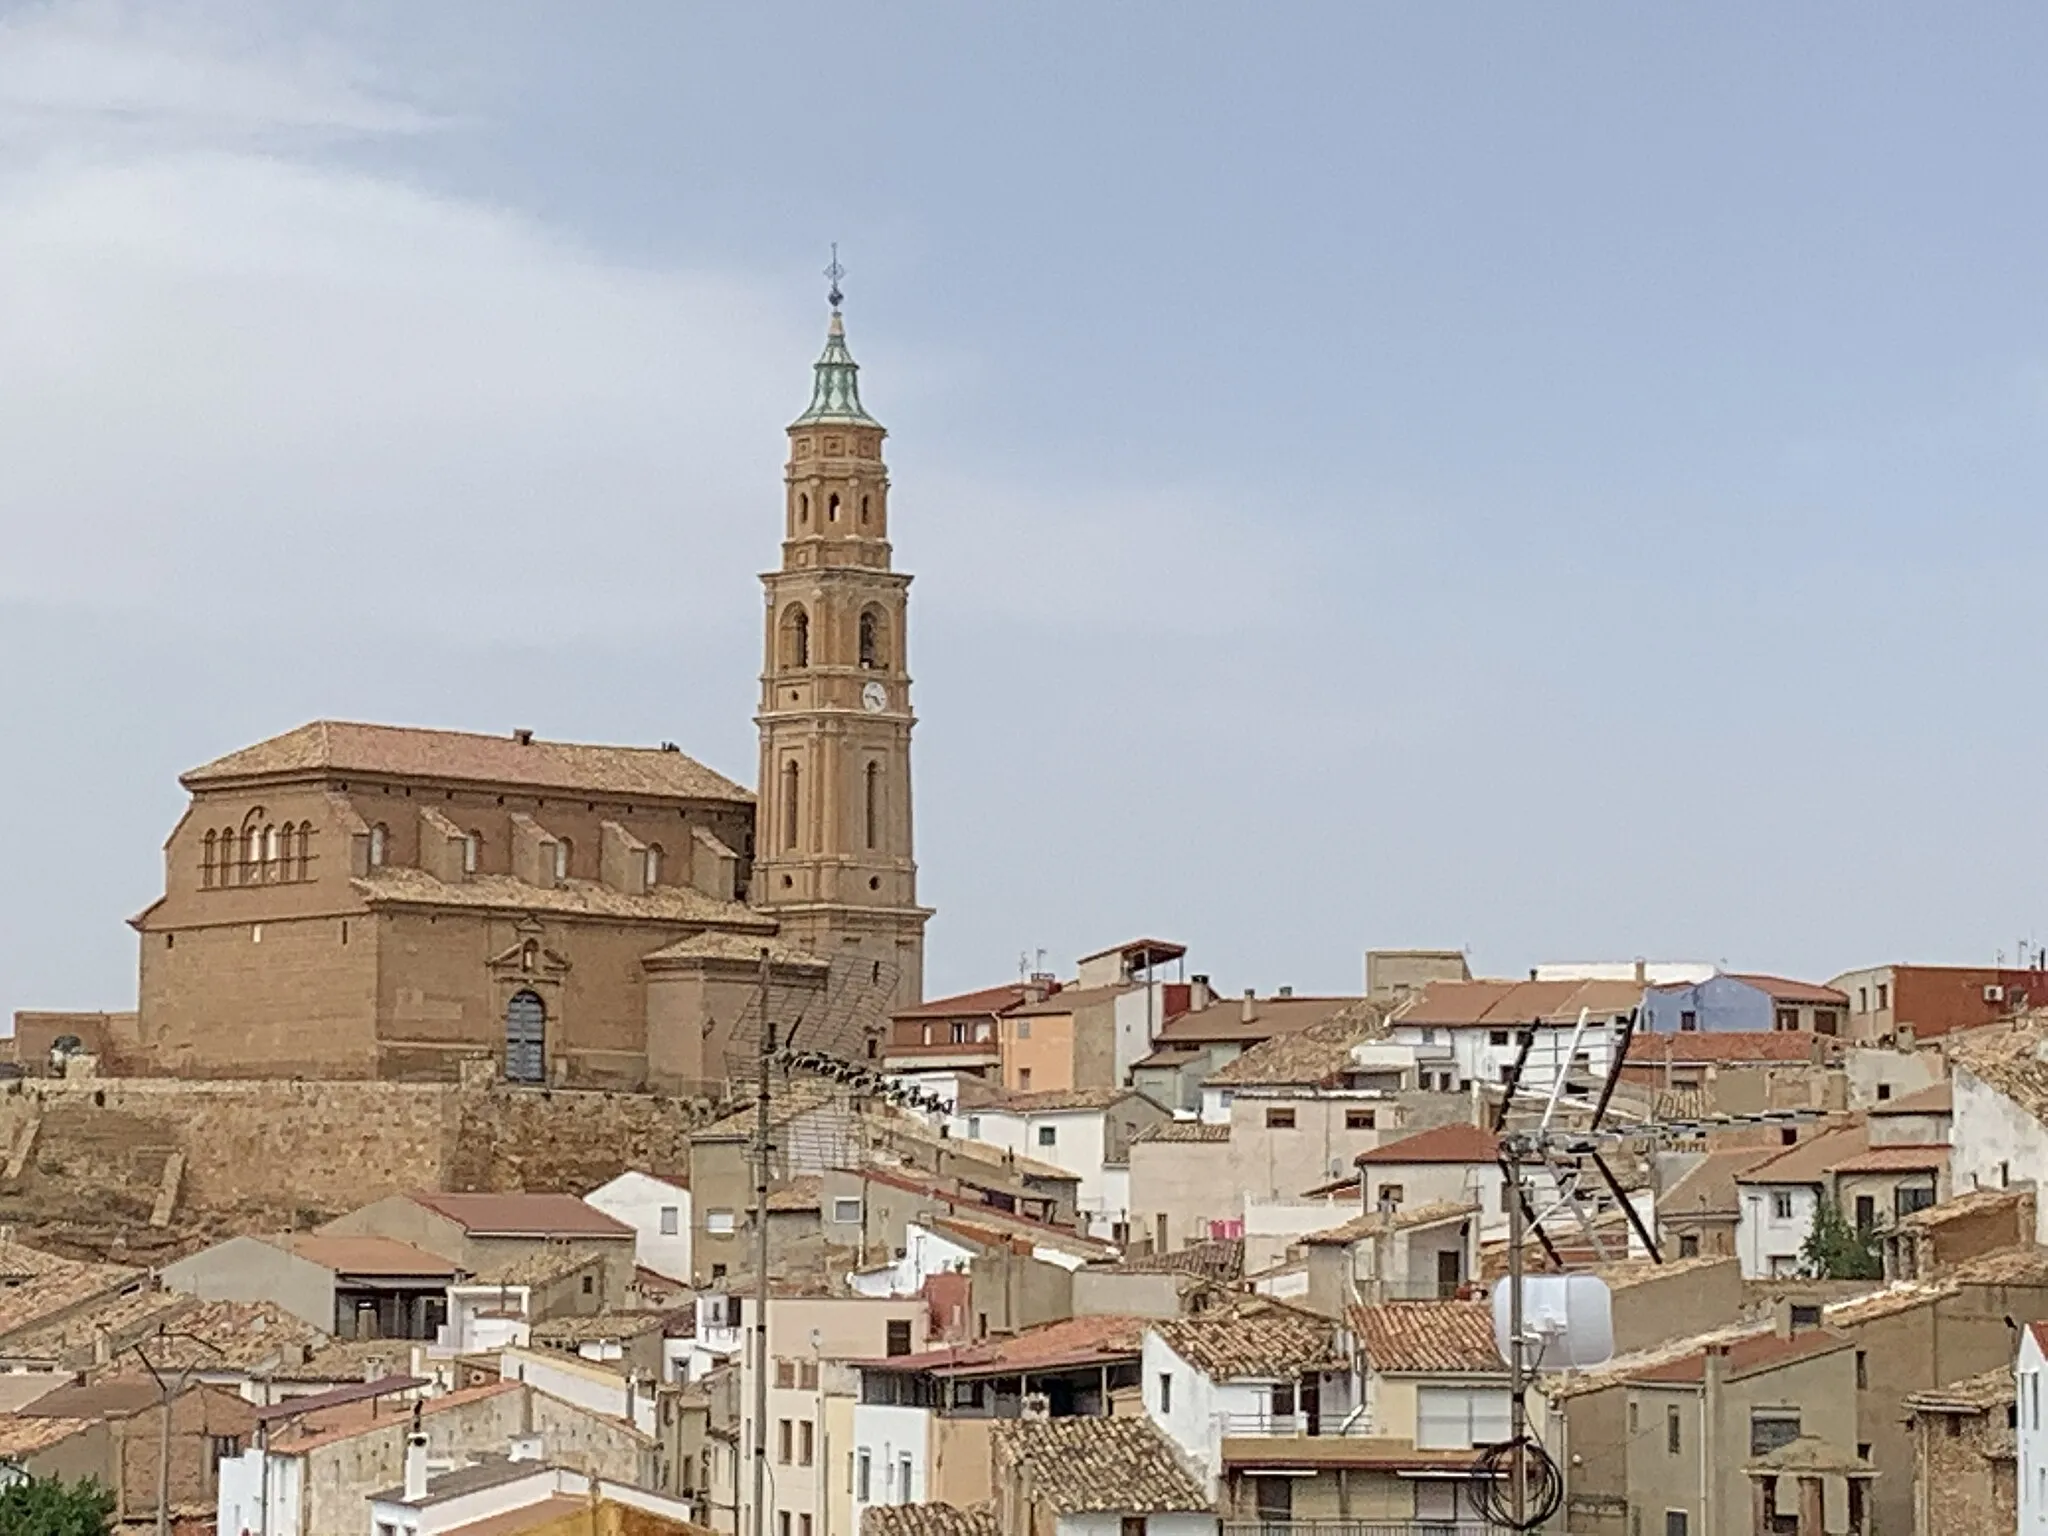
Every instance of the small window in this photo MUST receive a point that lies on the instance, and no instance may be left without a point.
(1884, 1092)
(1048, 1135)
(225, 1447)
(1884, 996)
(472, 851)
(1788, 1020)
(718, 1223)
(653, 864)
(565, 853)
(380, 843)
(785, 1374)
(1024, 1079)
(863, 1474)
(846, 1209)
(899, 1336)
(1280, 1119)
(1132, 1525)
(1023, 1029)
(1166, 1391)
(1688, 1245)
(1769, 1431)
(1391, 1195)
(1676, 1522)
(1862, 1370)
(1688, 1021)
(590, 1285)
(671, 1220)
(1360, 1119)
(1496, 1037)
(785, 1446)
(1674, 1440)
(806, 1443)
(1805, 1314)
(1781, 1205)
(807, 1375)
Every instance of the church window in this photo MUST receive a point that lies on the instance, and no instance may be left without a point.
(864, 511)
(274, 865)
(472, 851)
(874, 639)
(206, 859)
(796, 636)
(564, 850)
(526, 1027)
(252, 854)
(803, 508)
(305, 850)
(380, 843)
(874, 804)
(791, 796)
(832, 508)
(653, 865)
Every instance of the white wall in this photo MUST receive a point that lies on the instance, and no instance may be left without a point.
(1200, 1409)
(1473, 1055)
(638, 1199)
(2032, 1437)
(239, 1504)
(888, 1434)
(1765, 1242)
(1079, 1146)
(587, 1386)
(1994, 1142)
(925, 1253)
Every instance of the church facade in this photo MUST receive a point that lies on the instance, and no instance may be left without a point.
(351, 900)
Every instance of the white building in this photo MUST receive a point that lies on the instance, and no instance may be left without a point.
(1083, 1131)
(658, 1211)
(1781, 1197)
(1464, 1032)
(2032, 1432)
(1997, 1134)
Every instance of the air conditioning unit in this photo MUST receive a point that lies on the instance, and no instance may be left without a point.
(1994, 993)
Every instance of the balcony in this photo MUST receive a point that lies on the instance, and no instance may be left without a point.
(1329, 1424)
(1362, 1528)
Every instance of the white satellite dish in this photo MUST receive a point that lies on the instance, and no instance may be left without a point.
(1567, 1322)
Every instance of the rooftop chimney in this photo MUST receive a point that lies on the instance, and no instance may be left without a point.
(523, 736)
(1287, 991)
(1251, 1005)
(1642, 969)
(415, 1467)
(1200, 995)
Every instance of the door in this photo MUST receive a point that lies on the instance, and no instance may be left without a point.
(1274, 1498)
(1450, 1273)
(526, 1030)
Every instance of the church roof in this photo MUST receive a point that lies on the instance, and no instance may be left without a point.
(398, 751)
(738, 946)
(835, 396)
(662, 904)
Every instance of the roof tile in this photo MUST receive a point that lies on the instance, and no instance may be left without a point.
(1256, 1338)
(1419, 1336)
(1098, 1465)
(1310, 1057)
(1442, 1144)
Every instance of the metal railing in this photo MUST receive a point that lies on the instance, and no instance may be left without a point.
(1328, 1424)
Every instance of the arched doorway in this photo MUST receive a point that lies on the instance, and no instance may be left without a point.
(526, 1038)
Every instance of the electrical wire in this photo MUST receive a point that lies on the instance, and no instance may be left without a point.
(1495, 1471)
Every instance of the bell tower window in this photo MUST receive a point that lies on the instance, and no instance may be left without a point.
(874, 640)
(832, 508)
(791, 802)
(796, 636)
(874, 804)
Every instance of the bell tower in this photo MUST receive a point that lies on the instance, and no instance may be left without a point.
(832, 831)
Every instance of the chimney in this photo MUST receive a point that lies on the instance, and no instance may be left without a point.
(1287, 991)
(1781, 1318)
(1711, 1369)
(1251, 1005)
(523, 736)
(1200, 995)
(1642, 970)
(415, 1467)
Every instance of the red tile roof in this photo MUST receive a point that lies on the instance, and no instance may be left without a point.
(1504, 1004)
(1785, 990)
(1735, 1045)
(361, 1255)
(1935, 1099)
(1445, 1144)
(1076, 1341)
(1417, 1336)
(1895, 1159)
(523, 1215)
(981, 1004)
(1744, 1357)
(1811, 1159)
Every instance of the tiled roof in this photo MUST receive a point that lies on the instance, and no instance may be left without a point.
(1895, 1159)
(1935, 1099)
(1418, 1336)
(1626, 1274)
(1255, 1338)
(598, 1325)
(350, 1360)
(1708, 1187)
(1505, 1004)
(1443, 1144)
(1220, 1259)
(18, 1261)
(1785, 990)
(523, 1215)
(1069, 999)
(987, 1001)
(799, 1194)
(1310, 1057)
(788, 1100)
(1902, 1296)
(2004, 1061)
(1223, 1021)
(975, 1094)
(327, 1426)
(1074, 1341)
(1182, 1131)
(235, 1335)
(1973, 1202)
(119, 1319)
(56, 1288)
(535, 1267)
(343, 747)
(1730, 1047)
(21, 1436)
(364, 1255)
(1810, 1453)
(1812, 1158)
(1401, 1219)
(2023, 1265)
(928, 1520)
(1745, 1357)
(398, 886)
(1099, 1466)
(1973, 1394)
(743, 947)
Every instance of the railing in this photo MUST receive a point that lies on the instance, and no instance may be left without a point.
(1362, 1528)
(1328, 1424)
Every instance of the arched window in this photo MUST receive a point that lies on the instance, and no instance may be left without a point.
(792, 797)
(874, 639)
(252, 854)
(803, 508)
(380, 845)
(874, 804)
(305, 850)
(832, 509)
(206, 859)
(796, 636)
(564, 851)
(653, 865)
(864, 508)
(526, 1038)
(228, 844)
(472, 851)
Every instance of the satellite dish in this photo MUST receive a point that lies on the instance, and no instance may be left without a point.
(1567, 1321)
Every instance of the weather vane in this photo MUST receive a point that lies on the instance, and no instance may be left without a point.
(834, 273)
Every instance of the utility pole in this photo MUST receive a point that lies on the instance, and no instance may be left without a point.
(168, 1392)
(761, 1151)
(1518, 1381)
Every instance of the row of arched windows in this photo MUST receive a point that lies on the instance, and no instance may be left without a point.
(262, 853)
(832, 509)
(873, 649)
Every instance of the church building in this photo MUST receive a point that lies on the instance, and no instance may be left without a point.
(349, 900)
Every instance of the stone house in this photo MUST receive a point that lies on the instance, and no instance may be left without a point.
(1965, 1467)
(1700, 1208)
(1999, 1083)
(1969, 1226)
(1083, 1476)
(482, 1233)
(206, 1423)
(1457, 1164)
(1694, 1423)
(1422, 1252)
(1183, 1188)
(361, 1287)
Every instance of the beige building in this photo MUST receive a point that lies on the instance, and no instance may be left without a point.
(483, 1234)
(349, 900)
(1965, 1462)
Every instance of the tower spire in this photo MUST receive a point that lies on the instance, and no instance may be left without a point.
(835, 393)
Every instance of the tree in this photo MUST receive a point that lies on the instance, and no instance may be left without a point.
(1838, 1249)
(50, 1507)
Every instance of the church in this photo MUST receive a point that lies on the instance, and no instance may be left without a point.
(374, 901)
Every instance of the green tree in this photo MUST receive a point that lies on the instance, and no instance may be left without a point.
(1836, 1248)
(51, 1507)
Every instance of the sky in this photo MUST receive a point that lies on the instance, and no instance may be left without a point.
(1559, 483)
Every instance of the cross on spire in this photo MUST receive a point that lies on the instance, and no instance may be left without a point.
(833, 273)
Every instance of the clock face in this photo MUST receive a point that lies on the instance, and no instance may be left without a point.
(874, 698)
